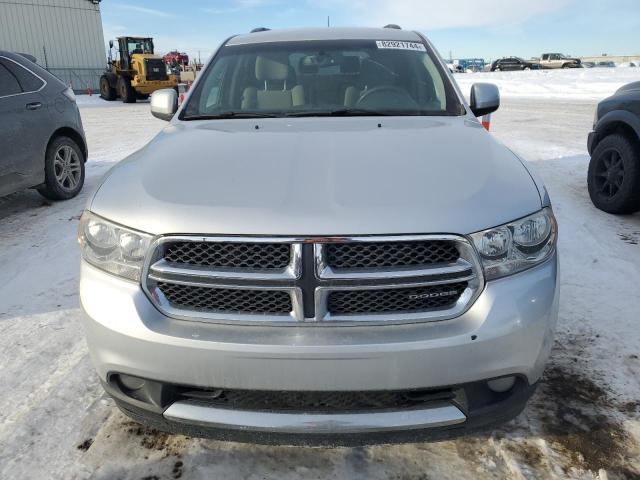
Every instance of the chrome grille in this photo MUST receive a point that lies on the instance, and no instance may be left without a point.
(274, 302)
(394, 254)
(264, 256)
(316, 281)
(398, 300)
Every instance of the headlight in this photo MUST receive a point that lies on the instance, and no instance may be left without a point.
(518, 245)
(112, 248)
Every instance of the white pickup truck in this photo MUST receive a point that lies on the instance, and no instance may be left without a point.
(558, 60)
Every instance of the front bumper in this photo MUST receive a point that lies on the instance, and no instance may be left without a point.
(508, 331)
(149, 86)
(439, 421)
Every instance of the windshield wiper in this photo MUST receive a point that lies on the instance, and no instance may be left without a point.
(342, 112)
(231, 114)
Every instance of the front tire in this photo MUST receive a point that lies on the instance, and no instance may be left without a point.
(63, 169)
(107, 92)
(126, 91)
(614, 175)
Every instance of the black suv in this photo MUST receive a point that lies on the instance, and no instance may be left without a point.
(513, 63)
(614, 145)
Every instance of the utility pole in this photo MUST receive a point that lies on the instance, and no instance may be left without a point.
(328, 21)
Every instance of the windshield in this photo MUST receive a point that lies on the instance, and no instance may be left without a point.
(140, 45)
(312, 78)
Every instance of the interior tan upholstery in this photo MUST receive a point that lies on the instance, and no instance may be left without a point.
(274, 73)
(272, 68)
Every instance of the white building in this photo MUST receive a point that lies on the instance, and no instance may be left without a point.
(65, 36)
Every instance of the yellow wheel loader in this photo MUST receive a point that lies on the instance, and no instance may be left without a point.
(136, 73)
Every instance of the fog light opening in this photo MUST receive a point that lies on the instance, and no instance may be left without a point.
(501, 385)
(131, 383)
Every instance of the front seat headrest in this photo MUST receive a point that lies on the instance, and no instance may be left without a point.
(272, 67)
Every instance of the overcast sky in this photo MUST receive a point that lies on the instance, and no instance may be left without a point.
(467, 28)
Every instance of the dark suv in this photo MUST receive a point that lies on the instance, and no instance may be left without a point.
(42, 142)
(614, 145)
(513, 63)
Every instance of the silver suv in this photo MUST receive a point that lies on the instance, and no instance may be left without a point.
(300, 257)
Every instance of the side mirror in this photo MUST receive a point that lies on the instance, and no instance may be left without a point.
(110, 44)
(164, 103)
(485, 99)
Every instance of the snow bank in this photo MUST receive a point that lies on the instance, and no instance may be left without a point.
(574, 84)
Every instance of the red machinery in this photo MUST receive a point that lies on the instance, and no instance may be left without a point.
(176, 58)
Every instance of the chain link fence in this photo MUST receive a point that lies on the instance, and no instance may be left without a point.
(80, 79)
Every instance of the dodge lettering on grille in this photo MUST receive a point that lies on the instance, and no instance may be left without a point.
(422, 296)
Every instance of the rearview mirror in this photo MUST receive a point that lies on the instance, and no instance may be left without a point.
(485, 99)
(164, 103)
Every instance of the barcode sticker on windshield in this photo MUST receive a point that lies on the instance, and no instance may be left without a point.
(418, 47)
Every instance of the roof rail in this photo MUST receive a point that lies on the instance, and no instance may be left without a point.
(394, 26)
(260, 29)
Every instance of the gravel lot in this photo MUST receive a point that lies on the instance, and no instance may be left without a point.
(584, 421)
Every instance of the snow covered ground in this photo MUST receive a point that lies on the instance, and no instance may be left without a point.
(584, 421)
(574, 84)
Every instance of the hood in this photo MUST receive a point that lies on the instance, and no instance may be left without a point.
(319, 176)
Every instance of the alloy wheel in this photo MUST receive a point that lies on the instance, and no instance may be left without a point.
(609, 173)
(67, 168)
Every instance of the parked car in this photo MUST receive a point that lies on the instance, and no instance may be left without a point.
(559, 60)
(301, 257)
(513, 63)
(606, 64)
(614, 146)
(588, 64)
(35, 105)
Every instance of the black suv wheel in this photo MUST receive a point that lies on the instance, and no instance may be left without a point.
(614, 175)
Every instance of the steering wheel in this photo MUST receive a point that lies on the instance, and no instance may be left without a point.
(387, 90)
